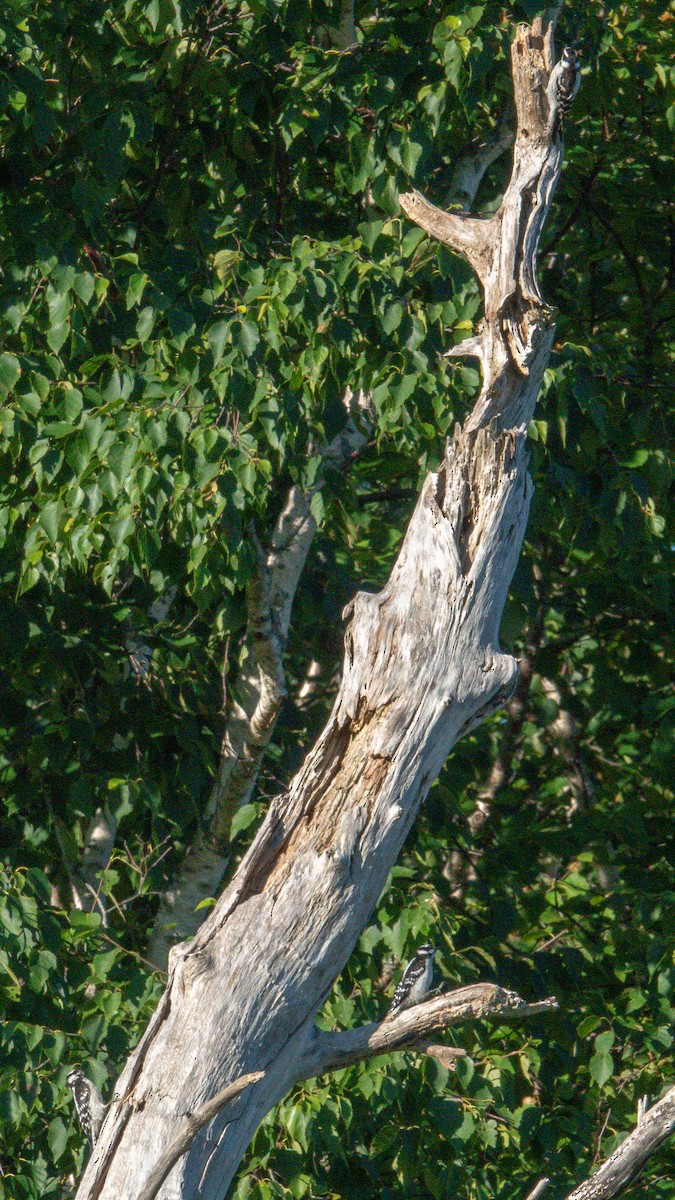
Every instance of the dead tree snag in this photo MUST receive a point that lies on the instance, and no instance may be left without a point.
(422, 666)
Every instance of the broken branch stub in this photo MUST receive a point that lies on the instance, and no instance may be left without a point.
(422, 667)
(516, 334)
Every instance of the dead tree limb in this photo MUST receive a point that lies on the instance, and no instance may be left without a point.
(412, 1030)
(618, 1171)
(333, 1051)
(422, 666)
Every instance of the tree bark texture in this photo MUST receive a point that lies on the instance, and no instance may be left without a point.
(261, 689)
(411, 1030)
(654, 1127)
(422, 666)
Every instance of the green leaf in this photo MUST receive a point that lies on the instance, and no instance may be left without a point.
(601, 1068)
(10, 369)
(145, 323)
(57, 1137)
(637, 459)
(411, 152)
(83, 286)
(40, 884)
(57, 335)
(465, 1130)
(72, 403)
(317, 507)
(135, 288)
(49, 520)
(248, 337)
(370, 231)
(604, 1041)
(244, 817)
(218, 336)
(84, 920)
(392, 317)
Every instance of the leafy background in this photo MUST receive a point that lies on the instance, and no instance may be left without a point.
(200, 247)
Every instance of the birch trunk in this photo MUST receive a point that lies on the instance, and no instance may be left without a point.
(261, 689)
(422, 666)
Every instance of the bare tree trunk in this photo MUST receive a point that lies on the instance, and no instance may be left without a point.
(422, 667)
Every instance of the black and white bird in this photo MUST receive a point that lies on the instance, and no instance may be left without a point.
(415, 982)
(89, 1104)
(563, 86)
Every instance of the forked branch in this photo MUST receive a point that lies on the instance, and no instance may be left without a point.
(466, 235)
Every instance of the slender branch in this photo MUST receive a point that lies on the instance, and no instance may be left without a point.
(538, 1190)
(626, 1163)
(193, 1123)
(414, 1027)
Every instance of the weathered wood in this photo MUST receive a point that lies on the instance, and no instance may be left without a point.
(413, 1028)
(193, 1123)
(618, 1171)
(422, 667)
(261, 688)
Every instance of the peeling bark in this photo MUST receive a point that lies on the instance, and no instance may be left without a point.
(261, 689)
(422, 667)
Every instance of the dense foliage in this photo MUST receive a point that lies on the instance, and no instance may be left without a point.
(200, 247)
